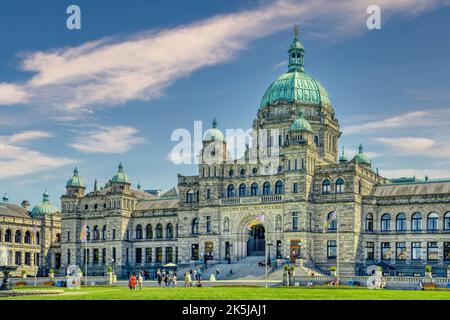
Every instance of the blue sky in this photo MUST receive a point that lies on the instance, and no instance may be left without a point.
(137, 70)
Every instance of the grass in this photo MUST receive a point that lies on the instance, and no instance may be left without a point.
(211, 293)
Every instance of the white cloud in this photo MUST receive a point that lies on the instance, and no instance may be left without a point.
(114, 139)
(418, 173)
(112, 71)
(408, 145)
(27, 136)
(19, 161)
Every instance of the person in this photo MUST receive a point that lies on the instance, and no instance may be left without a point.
(195, 274)
(140, 280)
(217, 274)
(174, 280)
(166, 280)
(159, 277)
(187, 280)
(199, 275)
(133, 282)
(420, 286)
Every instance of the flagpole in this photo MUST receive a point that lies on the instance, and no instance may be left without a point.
(86, 256)
(35, 255)
(337, 247)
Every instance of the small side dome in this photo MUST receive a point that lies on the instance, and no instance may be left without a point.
(45, 207)
(360, 157)
(213, 134)
(5, 198)
(120, 176)
(301, 124)
(75, 181)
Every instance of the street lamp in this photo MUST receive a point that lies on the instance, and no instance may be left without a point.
(268, 245)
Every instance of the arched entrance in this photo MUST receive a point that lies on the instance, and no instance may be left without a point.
(256, 242)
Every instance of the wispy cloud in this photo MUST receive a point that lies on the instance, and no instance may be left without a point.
(115, 70)
(409, 145)
(115, 139)
(20, 161)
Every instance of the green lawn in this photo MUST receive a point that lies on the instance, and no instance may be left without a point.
(123, 293)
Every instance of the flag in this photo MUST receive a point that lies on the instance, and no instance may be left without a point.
(258, 220)
(83, 234)
(332, 216)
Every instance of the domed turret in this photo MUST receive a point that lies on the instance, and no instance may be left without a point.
(213, 134)
(301, 124)
(45, 207)
(75, 181)
(360, 157)
(120, 176)
(296, 85)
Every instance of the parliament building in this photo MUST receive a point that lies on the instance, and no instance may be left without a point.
(401, 225)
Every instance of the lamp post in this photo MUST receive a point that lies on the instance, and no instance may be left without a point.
(268, 245)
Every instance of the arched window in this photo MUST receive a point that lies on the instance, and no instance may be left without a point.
(18, 237)
(416, 222)
(149, 231)
(138, 232)
(278, 187)
(169, 231)
(254, 189)
(278, 223)
(8, 235)
(159, 231)
(190, 196)
(369, 222)
(340, 185)
(386, 222)
(27, 237)
(242, 190)
(226, 225)
(58, 237)
(266, 188)
(332, 223)
(433, 221)
(195, 223)
(326, 186)
(104, 232)
(38, 239)
(96, 233)
(400, 223)
(230, 191)
(447, 221)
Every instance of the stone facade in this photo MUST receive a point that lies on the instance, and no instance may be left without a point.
(298, 182)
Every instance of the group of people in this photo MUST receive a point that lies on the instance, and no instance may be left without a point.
(166, 279)
(136, 281)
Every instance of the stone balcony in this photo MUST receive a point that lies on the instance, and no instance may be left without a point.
(234, 201)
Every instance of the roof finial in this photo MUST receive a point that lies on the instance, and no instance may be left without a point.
(296, 32)
(95, 185)
(360, 148)
(45, 196)
(5, 197)
(75, 171)
(214, 123)
(120, 167)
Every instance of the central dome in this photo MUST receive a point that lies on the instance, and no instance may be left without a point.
(296, 85)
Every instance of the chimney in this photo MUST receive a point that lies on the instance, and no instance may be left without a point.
(25, 204)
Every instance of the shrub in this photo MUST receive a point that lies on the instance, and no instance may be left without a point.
(21, 284)
(110, 269)
(333, 268)
(286, 267)
(51, 271)
(49, 283)
(428, 268)
(292, 269)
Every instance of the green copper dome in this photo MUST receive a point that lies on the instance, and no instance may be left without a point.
(45, 207)
(75, 181)
(296, 85)
(360, 157)
(120, 176)
(213, 134)
(301, 124)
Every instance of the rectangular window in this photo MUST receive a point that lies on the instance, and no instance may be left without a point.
(331, 249)
(289, 165)
(128, 234)
(416, 251)
(113, 234)
(432, 253)
(37, 261)
(295, 187)
(96, 256)
(169, 254)
(104, 256)
(208, 224)
(114, 255)
(370, 251)
(446, 251)
(400, 251)
(148, 255)
(209, 249)
(194, 252)
(18, 259)
(385, 251)
(208, 193)
(27, 258)
(296, 164)
(86, 256)
(159, 254)
(294, 220)
(68, 257)
(138, 255)
(68, 236)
